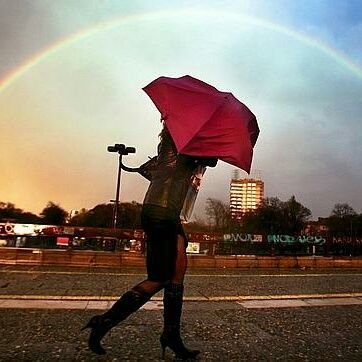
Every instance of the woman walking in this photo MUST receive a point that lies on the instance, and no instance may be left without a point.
(166, 250)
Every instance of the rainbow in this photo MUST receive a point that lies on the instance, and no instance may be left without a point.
(16, 73)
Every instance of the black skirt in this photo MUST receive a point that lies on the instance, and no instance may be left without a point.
(161, 229)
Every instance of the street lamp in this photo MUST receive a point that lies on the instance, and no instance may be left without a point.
(122, 150)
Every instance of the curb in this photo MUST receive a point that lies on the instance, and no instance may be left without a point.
(186, 299)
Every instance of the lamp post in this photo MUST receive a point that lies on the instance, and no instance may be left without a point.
(122, 150)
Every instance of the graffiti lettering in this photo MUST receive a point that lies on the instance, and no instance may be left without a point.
(284, 239)
(346, 240)
(243, 237)
(303, 239)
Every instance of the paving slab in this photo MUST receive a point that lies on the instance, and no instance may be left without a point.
(333, 301)
(274, 303)
(153, 306)
(43, 304)
(100, 305)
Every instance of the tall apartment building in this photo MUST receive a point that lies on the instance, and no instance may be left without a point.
(245, 195)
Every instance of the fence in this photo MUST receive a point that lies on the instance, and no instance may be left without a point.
(199, 243)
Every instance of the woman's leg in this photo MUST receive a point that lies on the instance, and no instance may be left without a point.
(172, 303)
(135, 298)
(180, 262)
(128, 303)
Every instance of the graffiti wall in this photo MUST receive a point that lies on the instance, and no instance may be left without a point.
(303, 239)
(284, 239)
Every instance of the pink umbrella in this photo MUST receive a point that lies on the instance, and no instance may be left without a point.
(204, 121)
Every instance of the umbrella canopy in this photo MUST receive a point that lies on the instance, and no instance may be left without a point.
(204, 121)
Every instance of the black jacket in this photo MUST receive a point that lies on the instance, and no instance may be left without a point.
(171, 176)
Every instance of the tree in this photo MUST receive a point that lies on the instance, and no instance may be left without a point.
(274, 216)
(28, 218)
(79, 218)
(357, 226)
(53, 214)
(343, 210)
(99, 216)
(129, 216)
(295, 216)
(343, 221)
(197, 225)
(8, 211)
(267, 219)
(218, 214)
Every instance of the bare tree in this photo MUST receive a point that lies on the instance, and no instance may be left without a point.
(218, 214)
(343, 210)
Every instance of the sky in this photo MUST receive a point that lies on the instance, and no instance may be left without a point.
(71, 78)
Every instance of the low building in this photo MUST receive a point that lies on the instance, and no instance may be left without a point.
(318, 227)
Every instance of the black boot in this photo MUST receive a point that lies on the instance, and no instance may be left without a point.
(172, 304)
(100, 325)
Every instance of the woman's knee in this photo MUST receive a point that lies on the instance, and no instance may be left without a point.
(149, 286)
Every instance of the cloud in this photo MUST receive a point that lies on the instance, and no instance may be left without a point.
(67, 109)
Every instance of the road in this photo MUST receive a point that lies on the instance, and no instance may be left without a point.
(230, 314)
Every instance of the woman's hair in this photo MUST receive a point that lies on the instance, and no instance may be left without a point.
(165, 133)
(165, 137)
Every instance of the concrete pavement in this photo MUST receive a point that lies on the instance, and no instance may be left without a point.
(270, 301)
(230, 315)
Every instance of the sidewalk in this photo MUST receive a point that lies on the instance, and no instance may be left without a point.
(203, 284)
(229, 315)
(222, 331)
